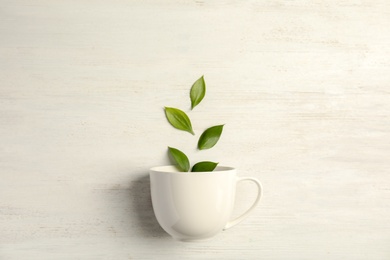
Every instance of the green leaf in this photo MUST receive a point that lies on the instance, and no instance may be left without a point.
(204, 167)
(198, 91)
(210, 137)
(180, 159)
(178, 119)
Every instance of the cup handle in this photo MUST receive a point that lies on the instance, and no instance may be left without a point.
(246, 213)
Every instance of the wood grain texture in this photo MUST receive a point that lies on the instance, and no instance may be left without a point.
(302, 86)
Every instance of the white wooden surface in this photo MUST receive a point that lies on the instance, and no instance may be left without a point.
(302, 86)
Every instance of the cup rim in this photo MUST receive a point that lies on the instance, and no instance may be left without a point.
(173, 170)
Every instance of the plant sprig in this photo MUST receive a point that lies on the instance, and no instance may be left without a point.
(210, 137)
(180, 158)
(180, 120)
(198, 91)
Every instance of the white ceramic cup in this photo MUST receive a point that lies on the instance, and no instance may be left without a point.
(196, 205)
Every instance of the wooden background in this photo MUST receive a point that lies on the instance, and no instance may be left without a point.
(302, 86)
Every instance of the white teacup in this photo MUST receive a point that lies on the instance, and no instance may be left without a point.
(196, 205)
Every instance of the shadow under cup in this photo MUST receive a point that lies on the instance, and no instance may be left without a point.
(193, 205)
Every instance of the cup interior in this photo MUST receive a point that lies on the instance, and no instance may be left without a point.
(172, 168)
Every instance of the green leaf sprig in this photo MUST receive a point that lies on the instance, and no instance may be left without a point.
(198, 91)
(210, 137)
(204, 167)
(180, 158)
(180, 120)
